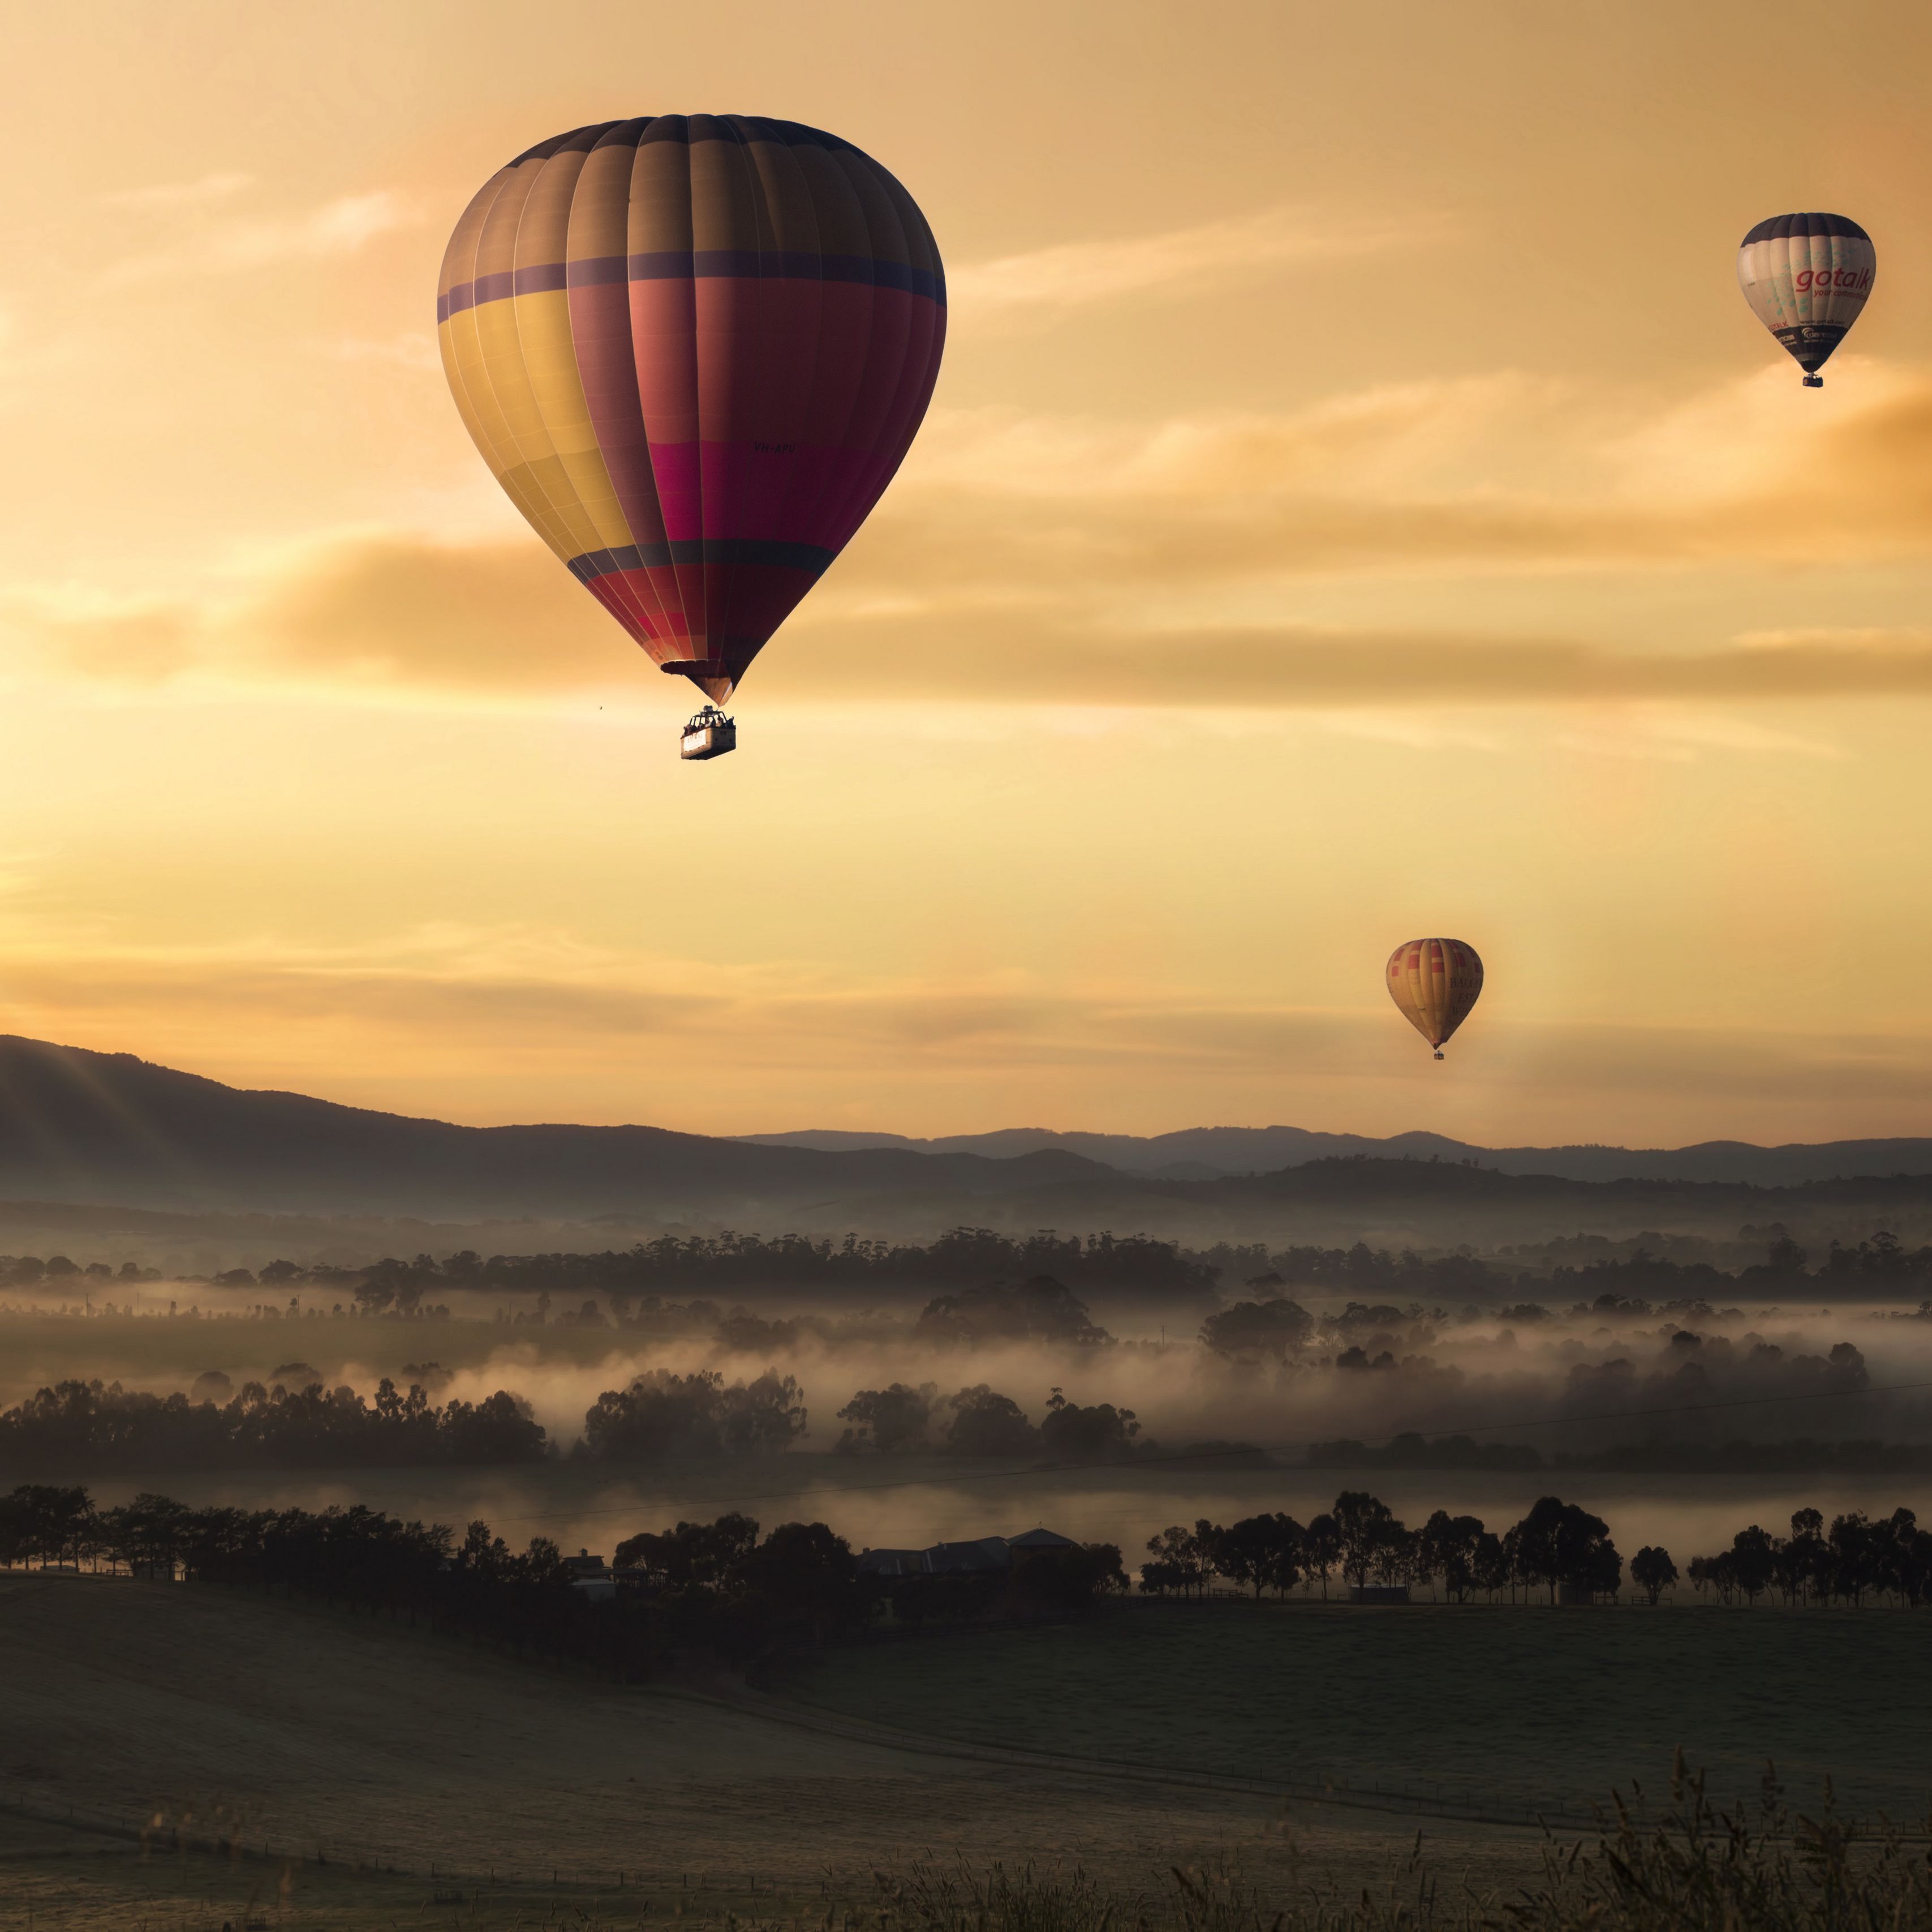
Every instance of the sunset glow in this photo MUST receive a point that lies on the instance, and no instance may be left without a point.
(1356, 504)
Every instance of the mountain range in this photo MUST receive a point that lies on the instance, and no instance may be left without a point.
(1209, 1153)
(78, 1127)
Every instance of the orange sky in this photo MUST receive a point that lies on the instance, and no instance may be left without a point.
(1357, 503)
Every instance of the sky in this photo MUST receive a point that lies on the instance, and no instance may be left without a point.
(1356, 504)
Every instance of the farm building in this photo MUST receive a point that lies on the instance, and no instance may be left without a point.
(591, 1577)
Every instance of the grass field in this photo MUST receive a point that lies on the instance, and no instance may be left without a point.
(1508, 1707)
(356, 1770)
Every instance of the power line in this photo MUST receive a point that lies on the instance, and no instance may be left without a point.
(1214, 1453)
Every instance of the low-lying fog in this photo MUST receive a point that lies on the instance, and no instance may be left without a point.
(1557, 1380)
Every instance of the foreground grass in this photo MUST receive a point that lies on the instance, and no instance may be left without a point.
(1691, 1866)
(1688, 1866)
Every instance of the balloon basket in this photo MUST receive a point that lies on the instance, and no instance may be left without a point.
(710, 735)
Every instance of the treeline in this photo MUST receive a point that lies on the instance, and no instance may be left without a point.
(88, 1428)
(961, 1259)
(1854, 1561)
(799, 1584)
(692, 1593)
(1800, 1456)
(30, 1270)
(1639, 1283)
(964, 1260)
(980, 1421)
(1058, 1582)
(1558, 1546)
(661, 1415)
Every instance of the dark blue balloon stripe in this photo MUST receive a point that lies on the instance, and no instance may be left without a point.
(692, 265)
(811, 558)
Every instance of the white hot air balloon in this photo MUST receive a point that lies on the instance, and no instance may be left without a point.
(1806, 277)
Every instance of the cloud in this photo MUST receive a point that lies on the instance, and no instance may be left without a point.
(395, 613)
(342, 226)
(1036, 559)
(371, 613)
(1048, 282)
(1307, 668)
(211, 187)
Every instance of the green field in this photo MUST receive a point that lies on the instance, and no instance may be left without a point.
(1507, 1707)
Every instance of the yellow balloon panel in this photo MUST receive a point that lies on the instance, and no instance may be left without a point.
(1434, 983)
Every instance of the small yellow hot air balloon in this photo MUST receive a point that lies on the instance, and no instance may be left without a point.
(1435, 982)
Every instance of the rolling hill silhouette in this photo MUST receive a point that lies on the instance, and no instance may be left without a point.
(79, 1127)
(1204, 1153)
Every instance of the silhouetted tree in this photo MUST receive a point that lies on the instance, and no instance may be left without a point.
(663, 1414)
(1558, 1543)
(1365, 1527)
(1321, 1547)
(1099, 1433)
(1180, 1560)
(1262, 1552)
(888, 1419)
(987, 1424)
(1652, 1571)
(1253, 1330)
(1039, 1309)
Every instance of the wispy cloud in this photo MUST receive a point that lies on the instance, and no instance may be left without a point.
(1076, 274)
(1034, 560)
(198, 194)
(342, 226)
(394, 612)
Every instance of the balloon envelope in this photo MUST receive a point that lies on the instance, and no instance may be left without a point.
(693, 349)
(1806, 277)
(1435, 982)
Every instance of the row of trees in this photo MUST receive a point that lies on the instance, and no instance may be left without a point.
(800, 1584)
(961, 1259)
(980, 1421)
(663, 1414)
(30, 1270)
(1558, 1546)
(89, 1428)
(1642, 1281)
(692, 1592)
(964, 1259)
(94, 1428)
(1855, 1560)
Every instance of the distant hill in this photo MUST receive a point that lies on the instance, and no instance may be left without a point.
(106, 1128)
(1201, 1153)
(80, 1126)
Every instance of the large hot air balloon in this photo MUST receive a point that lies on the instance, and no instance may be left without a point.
(693, 349)
(1435, 982)
(1806, 277)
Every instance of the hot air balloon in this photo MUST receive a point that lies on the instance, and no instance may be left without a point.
(693, 348)
(1806, 277)
(1435, 982)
